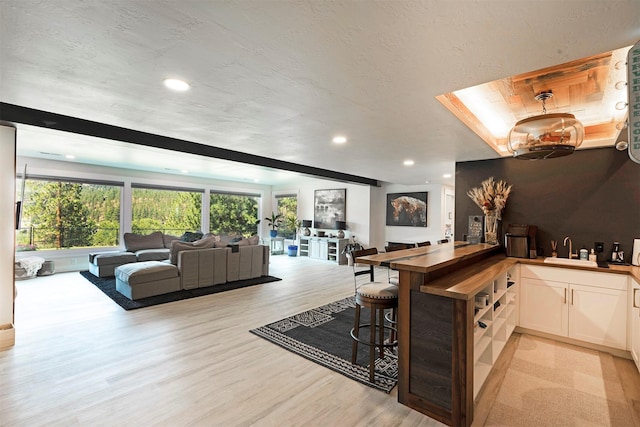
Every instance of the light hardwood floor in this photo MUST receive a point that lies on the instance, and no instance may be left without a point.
(82, 360)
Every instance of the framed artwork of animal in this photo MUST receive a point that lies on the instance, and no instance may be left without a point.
(407, 209)
(329, 207)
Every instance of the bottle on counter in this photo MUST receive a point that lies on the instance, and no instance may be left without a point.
(593, 256)
(584, 254)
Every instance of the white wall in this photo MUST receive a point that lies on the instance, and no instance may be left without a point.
(358, 204)
(7, 233)
(434, 230)
(366, 211)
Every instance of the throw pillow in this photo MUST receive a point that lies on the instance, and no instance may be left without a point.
(215, 236)
(135, 242)
(189, 236)
(178, 246)
(251, 241)
(168, 239)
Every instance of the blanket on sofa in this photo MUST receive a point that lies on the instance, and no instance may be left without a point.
(108, 286)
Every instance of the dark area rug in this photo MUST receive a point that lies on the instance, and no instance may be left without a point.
(108, 286)
(322, 336)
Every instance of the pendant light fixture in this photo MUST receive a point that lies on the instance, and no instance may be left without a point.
(545, 136)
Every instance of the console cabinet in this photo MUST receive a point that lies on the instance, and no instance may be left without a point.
(324, 248)
(586, 306)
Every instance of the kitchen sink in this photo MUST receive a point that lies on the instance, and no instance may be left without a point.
(567, 261)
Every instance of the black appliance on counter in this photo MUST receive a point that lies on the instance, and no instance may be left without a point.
(520, 241)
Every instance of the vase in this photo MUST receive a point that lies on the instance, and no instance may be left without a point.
(491, 228)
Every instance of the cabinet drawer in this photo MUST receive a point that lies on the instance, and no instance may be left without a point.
(570, 275)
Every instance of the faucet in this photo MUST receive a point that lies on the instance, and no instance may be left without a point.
(571, 254)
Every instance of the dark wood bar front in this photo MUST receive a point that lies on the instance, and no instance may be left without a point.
(435, 324)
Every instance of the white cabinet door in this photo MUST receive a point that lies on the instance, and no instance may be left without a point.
(314, 248)
(543, 306)
(598, 315)
(324, 249)
(635, 322)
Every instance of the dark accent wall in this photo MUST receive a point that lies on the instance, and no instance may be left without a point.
(591, 196)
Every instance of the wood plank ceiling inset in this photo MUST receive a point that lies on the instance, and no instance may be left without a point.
(579, 87)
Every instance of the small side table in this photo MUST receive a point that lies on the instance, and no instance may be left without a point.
(276, 244)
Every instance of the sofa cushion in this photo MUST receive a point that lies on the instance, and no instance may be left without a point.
(153, 254)
(108, 258)
(178, 246)
(167, 239)
(143, 272)
(135, 242)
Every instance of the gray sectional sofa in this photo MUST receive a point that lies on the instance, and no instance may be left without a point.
(143, 272)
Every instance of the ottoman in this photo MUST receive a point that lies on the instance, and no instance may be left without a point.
(103, 264)
(145, 279)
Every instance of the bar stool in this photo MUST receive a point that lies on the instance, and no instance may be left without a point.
(378, 297)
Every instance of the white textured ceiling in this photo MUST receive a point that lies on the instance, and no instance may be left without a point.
(281, 78)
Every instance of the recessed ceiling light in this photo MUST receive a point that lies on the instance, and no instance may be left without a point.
(339, 139)
(176, 84)
(70, 156)
(408, 162)
(426, 182)
(446, 175)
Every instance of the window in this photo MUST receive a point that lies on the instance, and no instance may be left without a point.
(169, 210)
(233, 214)
(63, 214)
(287, 205)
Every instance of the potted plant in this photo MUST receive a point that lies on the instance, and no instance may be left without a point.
(293, 223)
(274, 222)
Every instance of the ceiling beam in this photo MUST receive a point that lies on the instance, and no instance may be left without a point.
(28, 116)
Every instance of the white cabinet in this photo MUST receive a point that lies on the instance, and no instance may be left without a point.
(324, 248)
(635, 322)
(583, 305)
(544, 306)
(318, 248)
(598, 315)
(493, 322)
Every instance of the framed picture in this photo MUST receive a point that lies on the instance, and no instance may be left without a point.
(328, 207)
(407, 209)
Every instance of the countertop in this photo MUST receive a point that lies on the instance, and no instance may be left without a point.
(427, 258)
(471, 279)
(631, 270)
